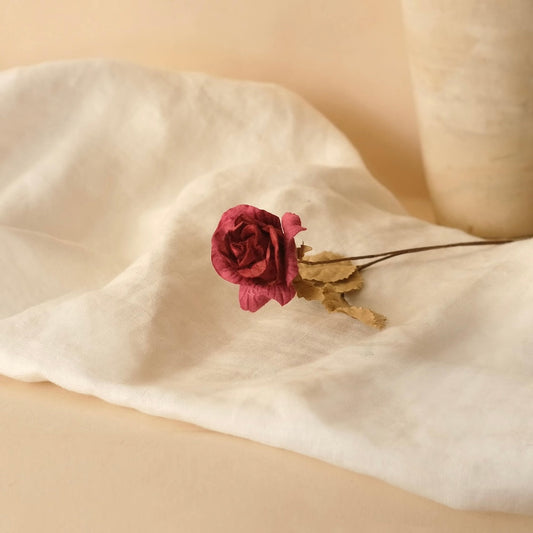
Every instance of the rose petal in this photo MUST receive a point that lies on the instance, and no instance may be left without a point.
(224, 268)
(251, 214)
(253, 271)
(283, 294)
(292, 225)
(253, 297)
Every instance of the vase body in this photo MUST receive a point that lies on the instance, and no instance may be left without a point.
(472, 70)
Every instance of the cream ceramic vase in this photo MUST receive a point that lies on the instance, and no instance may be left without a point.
(472, 68)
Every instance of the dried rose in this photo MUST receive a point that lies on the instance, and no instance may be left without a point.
(253, 249)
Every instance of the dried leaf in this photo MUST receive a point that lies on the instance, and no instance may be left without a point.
(335, 302)
(364, 315)
(329, 272)
(352, 283)
(308, 289)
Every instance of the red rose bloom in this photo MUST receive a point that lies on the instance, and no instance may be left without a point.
(253, 249)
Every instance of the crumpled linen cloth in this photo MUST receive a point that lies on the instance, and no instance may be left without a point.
(112, 180)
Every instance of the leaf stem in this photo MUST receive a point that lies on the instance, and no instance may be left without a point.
(387, 255)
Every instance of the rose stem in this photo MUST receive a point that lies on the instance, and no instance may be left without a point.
(387, 255)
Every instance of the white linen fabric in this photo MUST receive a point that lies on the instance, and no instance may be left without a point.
(112, 180)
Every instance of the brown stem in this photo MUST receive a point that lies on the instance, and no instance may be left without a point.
(387, 255)
(370, 263)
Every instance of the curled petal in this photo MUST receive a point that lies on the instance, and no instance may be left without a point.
(224, 267)
(248, 213)
(292, 225)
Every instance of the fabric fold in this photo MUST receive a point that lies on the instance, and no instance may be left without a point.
(112, 180)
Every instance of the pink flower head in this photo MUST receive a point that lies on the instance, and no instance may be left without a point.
(253, 249)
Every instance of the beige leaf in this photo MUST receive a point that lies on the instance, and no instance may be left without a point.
(364, 315)
(352, 283)
(308, 290)
(329, 272)
(335, 302)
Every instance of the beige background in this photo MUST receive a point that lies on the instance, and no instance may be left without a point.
(73, 463)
